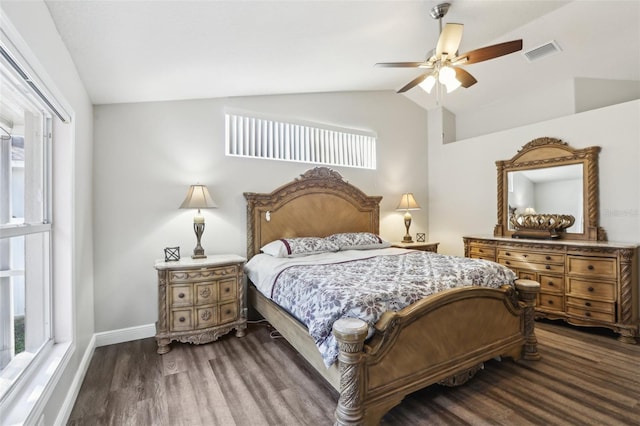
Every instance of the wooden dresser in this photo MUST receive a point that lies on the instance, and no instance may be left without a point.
(200, 300)
(585, 283)
(422, 246)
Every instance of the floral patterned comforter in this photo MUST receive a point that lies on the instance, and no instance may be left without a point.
(318, 295)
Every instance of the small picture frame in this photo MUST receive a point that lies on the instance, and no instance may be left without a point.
(171, 254)
(421, 237)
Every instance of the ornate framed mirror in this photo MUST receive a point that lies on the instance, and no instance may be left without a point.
(549, 190)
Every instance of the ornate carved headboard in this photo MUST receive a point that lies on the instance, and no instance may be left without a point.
(316, 204)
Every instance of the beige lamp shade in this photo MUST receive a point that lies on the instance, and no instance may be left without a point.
(198, 197)
(408, 202)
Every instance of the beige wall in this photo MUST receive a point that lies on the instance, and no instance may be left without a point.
(463, 178)
(146, 156)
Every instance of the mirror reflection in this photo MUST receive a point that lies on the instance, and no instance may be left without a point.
(550, 190)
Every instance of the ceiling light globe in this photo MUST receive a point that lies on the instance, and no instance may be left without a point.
(428, 83)
(447, 74)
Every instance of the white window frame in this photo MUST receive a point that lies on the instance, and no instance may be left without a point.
(255, 135)
(26, 401)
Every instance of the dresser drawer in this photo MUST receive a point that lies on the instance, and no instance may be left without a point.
(227, 289)
(206, 293)
(551, 283)
(531, 256)
(539, 267)
(206, 317)
(593, 266)
(180, 295)
(479, 251)
(181, 320)
(590, 314)
(228, 312)
(596, 305)
(202, 274)
(591, 289)
(551, 302)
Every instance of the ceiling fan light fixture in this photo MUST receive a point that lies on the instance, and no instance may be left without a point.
(446, 75)
(427, 84)
(452, 85)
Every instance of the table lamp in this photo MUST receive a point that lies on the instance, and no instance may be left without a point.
(407, 202)
(198, 198)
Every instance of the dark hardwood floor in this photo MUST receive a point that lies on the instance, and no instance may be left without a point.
(583, 379)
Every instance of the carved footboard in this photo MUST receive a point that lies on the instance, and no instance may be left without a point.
(429, 341)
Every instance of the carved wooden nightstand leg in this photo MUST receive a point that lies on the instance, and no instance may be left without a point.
(240, 331)
(163, 346)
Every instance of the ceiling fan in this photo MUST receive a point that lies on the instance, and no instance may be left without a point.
(444, 64)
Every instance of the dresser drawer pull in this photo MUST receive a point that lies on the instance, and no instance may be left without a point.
(508, 254)
(182, 319)
(590, 267)
(547, 267)
(181, 295)
(587, 314)
(587, 303)
(591, 289)
(507, 262)
(227, 312)
(550, 284)
(550, 302)
(547, 257)
(227, 290)
(525, 255)
(481, 251)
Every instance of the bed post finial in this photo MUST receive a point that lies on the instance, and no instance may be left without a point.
(350, 333)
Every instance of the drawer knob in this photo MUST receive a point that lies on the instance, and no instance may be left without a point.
(587, 303)
(587, 314)
(525, 255)
(507, 262)
(590, 267)
(181, 295)
(481, 251)
(591, 289)
(182, 319)
(550, 284)
(547, 267)
(550, 302)
(547, 257)
(508, 254)
(228, 311)
(227, 290)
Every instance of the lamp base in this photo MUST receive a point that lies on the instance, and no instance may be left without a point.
(407, 239)
(199, 256)
(198, 252)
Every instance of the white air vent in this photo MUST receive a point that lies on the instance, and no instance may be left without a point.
(545, 50)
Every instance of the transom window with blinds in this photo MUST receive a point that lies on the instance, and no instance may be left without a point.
(259, 136)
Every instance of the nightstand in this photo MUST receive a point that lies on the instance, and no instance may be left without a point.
(200, 300)
(428, 246)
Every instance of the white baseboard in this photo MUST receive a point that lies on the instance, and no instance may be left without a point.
(125, 335)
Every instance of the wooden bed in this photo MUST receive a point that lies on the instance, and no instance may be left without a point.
(436, 340)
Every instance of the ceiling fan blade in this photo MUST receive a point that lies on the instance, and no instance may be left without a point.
(404, 64)
(413, 83)
(465, 79)
(449, 40)
(490, 52)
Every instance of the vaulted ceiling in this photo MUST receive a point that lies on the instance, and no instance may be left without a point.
(138, 51)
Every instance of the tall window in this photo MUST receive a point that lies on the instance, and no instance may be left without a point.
(25, 228)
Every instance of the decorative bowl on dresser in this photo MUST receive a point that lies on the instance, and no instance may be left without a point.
(200, 300)
(584, 280)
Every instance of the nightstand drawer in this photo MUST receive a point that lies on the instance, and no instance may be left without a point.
(205, 293)
(593, 266)
(551, 302)
(206, 317)
(227, 289)
(591, 289)
(181, 320)
(180, 295)
(531, 256)
(228, 312)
